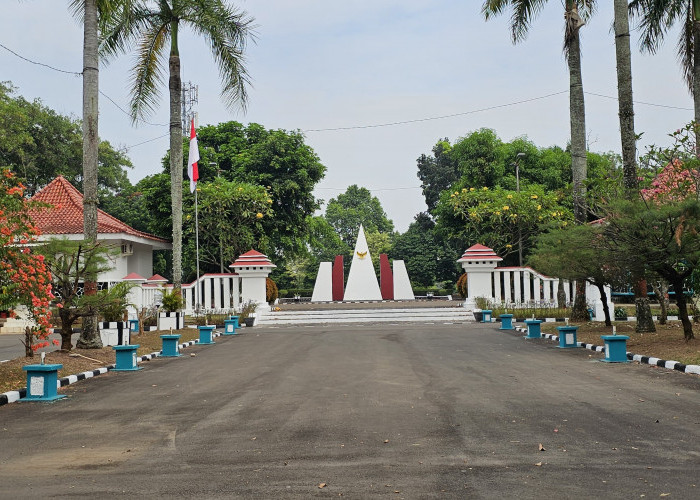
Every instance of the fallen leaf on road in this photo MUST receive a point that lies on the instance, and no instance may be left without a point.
(192, 354)
(254, 439)
(322, 485)
(664, 494)
(542, 448)
(538, 464)
(641, 400)
(556, 430)
(386, 441)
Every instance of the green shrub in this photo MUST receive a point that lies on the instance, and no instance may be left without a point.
(461, 285)
(172, 301)
(271, 290)
(620, 313)
(114, 302)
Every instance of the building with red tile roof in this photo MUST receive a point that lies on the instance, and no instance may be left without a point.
(64, 219)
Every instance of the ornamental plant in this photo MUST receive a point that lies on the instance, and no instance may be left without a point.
(70, 262)
(271, 290)
(501, 218)
(24, 277)
(462, 285)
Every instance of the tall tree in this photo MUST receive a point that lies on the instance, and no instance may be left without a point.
(88, 10)
(656, 18)
(151, 25)
(436, 172)
(575, 14)
(354, 207)
(623, 56)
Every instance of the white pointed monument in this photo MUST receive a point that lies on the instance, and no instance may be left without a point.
(362, 280)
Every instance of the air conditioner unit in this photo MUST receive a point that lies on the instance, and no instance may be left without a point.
(127, 249)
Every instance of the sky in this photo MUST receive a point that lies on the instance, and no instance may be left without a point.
(329, 64)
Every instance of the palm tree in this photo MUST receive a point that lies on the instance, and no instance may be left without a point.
(151, 25)
(87, 11)
(576, 13)
(645, 322)
(656, 18)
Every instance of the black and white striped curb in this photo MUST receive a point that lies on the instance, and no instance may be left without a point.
(647, 360)
(13, 396)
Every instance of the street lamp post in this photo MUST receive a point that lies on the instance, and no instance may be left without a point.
(517, 188)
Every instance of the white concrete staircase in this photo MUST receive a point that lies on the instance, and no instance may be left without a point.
(383, 315)
(13, 325)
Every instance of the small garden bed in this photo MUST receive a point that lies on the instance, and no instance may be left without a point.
(667, 343)
(12, 377)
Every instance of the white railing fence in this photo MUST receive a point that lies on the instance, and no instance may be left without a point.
(218, 293)
(525, 287)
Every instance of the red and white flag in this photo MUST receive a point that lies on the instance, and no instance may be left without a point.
(193, 158)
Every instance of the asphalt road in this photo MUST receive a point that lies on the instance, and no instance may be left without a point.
(436, 411)
(11, 345)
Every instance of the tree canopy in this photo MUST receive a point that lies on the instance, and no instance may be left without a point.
(357, 206)
(38, 144)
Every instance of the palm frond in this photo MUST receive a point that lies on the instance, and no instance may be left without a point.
(524, 12)
(655, 19)
(122, 26)
(227, 31)
(686, 50)
(148, 70)
(586, 8)
(493, 8)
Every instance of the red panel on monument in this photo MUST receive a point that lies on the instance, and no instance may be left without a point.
(386, 278)
(338, 279)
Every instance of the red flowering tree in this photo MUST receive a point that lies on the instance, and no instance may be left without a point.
(659, 232)
(24, 277)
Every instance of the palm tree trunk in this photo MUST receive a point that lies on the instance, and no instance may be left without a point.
(645, 322)
(577, 114)
(175, 87)
(579, 167)
(90, 338)
(696, 72)
(624, 94)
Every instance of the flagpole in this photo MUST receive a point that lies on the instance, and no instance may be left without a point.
(196, 230)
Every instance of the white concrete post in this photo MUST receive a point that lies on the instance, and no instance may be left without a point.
(508, 295)
(497, 285)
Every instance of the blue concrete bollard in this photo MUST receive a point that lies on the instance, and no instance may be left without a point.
(235, 319)
(486, 318)
(205, 334)
(42, 382)
(615, 348)
(229, 327)
(567, 336)
(506, 322)
(590, 314)
(126, 358)
(534, 330)
(170, 346)
(134, 326)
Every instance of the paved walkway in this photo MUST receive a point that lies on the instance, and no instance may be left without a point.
(437, 411)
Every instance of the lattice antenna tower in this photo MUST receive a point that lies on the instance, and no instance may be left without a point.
(190, 98)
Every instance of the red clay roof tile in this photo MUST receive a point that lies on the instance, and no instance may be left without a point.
(66, 215)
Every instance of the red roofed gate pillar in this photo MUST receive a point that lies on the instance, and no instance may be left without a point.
(479, 261)
(253, 268)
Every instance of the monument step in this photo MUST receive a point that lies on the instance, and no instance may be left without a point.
(366, 316)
